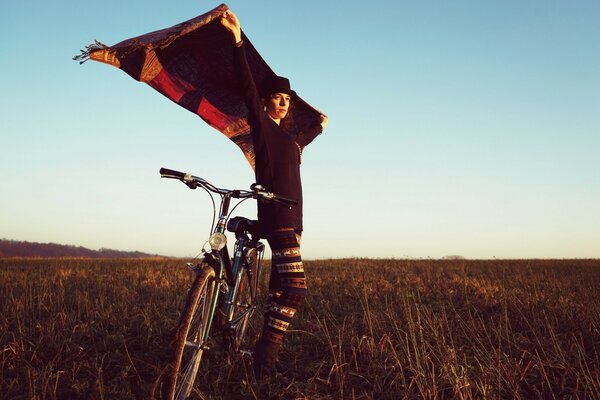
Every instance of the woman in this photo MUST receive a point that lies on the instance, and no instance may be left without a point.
(277, 167)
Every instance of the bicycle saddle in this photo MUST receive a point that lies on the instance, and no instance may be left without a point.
(242, 224)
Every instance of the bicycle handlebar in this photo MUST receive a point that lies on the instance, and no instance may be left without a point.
(257, 191)
(170, 173)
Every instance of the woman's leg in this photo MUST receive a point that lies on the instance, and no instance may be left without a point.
(287, 290)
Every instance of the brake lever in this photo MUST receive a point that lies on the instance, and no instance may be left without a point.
(191, 184)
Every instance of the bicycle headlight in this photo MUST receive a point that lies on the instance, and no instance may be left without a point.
(217, 241)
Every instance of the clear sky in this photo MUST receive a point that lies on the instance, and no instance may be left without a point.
(455, 128)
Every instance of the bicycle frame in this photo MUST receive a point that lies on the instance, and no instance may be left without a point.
(228, 275)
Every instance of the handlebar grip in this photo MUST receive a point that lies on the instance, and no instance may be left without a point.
(168, 173)
(285, 200)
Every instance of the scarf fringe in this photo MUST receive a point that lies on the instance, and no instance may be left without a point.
(85, 54)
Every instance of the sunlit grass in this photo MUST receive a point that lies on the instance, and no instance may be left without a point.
(371, 329)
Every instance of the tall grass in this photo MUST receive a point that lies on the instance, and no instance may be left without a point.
(370, 329)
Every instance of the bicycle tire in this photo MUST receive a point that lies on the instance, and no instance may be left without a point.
(194, 321)
(237, 339)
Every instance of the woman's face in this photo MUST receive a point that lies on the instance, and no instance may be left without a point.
(278, 105)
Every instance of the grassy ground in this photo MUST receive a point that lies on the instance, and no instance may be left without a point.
(371, 329)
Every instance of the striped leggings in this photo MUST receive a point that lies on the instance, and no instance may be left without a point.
(287, 290)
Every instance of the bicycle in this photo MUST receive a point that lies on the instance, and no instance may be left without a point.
(222, 286)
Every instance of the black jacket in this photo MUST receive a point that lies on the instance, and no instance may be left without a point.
(277, 163)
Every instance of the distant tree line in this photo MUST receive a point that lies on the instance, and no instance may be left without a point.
(13, 248)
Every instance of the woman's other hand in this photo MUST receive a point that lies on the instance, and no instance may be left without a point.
(323, 121)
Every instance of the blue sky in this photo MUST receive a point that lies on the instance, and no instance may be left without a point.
(456, 128)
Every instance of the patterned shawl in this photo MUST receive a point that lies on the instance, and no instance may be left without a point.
(192, 64)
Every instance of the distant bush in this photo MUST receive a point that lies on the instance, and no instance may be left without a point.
(454, 257)
(13, 248)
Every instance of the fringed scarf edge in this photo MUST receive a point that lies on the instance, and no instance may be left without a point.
(158, 39)
(85, 53)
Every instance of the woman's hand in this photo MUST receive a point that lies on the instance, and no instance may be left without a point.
(232, 24)
(323, 121)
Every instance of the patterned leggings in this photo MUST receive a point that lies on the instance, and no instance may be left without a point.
(287, 290)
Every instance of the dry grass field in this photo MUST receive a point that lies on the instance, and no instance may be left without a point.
(371, 329)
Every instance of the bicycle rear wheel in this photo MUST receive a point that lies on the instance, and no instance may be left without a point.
(189, 344)
(236, 338)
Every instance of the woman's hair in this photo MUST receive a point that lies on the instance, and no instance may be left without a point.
(288, 122)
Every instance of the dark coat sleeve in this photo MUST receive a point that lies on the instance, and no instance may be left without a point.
(248, 86)
(304, 138)
(256, 114)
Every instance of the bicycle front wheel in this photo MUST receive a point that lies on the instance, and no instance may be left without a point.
(190, 335)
